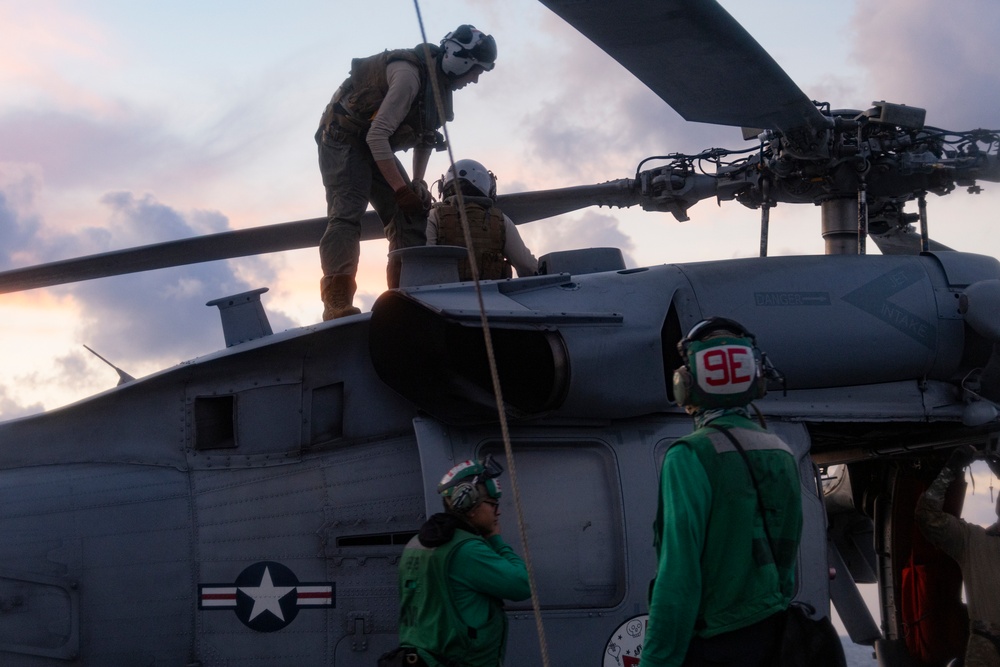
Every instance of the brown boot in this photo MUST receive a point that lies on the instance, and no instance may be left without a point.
(392, 272)
(338, 294)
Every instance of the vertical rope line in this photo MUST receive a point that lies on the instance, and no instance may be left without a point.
(488, 340)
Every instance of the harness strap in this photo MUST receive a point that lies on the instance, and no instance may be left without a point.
(753, 478)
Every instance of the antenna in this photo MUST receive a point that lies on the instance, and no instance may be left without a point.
(123, 377)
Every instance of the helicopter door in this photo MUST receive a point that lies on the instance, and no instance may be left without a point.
(572, 502)
(572, 497)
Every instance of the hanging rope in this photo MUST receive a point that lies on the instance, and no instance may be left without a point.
(488, 339)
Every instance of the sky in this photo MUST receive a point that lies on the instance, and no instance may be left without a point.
(124, 123)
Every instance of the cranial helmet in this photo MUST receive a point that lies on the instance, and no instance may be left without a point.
(466, 47)
(462, 485)
(471, 173)
(722, 366)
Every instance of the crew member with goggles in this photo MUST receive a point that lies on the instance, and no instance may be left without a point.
(456, 572)
(729, 516)
(387, 104)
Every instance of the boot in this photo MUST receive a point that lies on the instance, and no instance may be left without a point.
(338, 296)
(393, 270)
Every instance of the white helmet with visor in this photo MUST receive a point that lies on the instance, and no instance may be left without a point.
(466, 47)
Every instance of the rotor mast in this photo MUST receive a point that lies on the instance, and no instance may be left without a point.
(842, 222)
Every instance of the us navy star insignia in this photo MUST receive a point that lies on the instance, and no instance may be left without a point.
(266, 596)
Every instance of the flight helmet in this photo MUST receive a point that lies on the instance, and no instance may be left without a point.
(465, 47)
(722, 367)
(466, 173)
(463, 484)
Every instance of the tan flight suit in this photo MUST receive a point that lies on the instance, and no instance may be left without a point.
(977, 551)
(372, 115)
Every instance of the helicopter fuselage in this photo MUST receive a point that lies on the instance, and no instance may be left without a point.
(253, 503)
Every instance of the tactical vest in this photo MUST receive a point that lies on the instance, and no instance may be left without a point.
(488, 231)
(362, 93)
(428, 618)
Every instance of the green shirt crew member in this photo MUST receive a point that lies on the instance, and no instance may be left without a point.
(455, 574)
(723, 582)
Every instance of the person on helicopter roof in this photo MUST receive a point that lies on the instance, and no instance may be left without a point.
(496, 242)
(977, 551)
(729, 516)
(454, 575)
(388, 103)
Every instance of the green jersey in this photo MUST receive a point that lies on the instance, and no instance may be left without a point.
(451, 598)
(715, 569)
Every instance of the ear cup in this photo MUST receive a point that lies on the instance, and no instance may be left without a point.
(464, 497)
(682, 385)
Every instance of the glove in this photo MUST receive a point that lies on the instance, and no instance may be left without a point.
(422, 191)
(961, 457)
(409, 202)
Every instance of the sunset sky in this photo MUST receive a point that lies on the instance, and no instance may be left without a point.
(125, 123)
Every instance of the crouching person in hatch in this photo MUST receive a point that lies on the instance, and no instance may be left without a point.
(455, 574)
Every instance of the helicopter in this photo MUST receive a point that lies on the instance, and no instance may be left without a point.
(251, 504)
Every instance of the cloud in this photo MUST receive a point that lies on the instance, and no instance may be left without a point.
(11, 409)
(592, 120)
(142, 317)
(596, 120)
(590, 230)
(922, 53)
(592, 115)
(184, 152)
(34, 53)
(162, 314)
(76, 149)
(16, 233)
(73, 370)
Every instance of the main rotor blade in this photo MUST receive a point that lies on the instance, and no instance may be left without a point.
(521, 207)
(524, 207)
(224, 245)
(904, 241)
(697, 58)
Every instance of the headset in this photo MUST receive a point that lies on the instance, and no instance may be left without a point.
(464, 483)
(722, 366)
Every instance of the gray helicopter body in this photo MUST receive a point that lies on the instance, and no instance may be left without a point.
(252, 504)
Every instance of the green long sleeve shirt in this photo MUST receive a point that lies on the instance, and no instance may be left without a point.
(715, 570)
(486, 568)
(451, 597)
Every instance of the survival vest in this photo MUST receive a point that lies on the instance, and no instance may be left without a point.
(428, 618)
(356, 102)
(488, 231)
